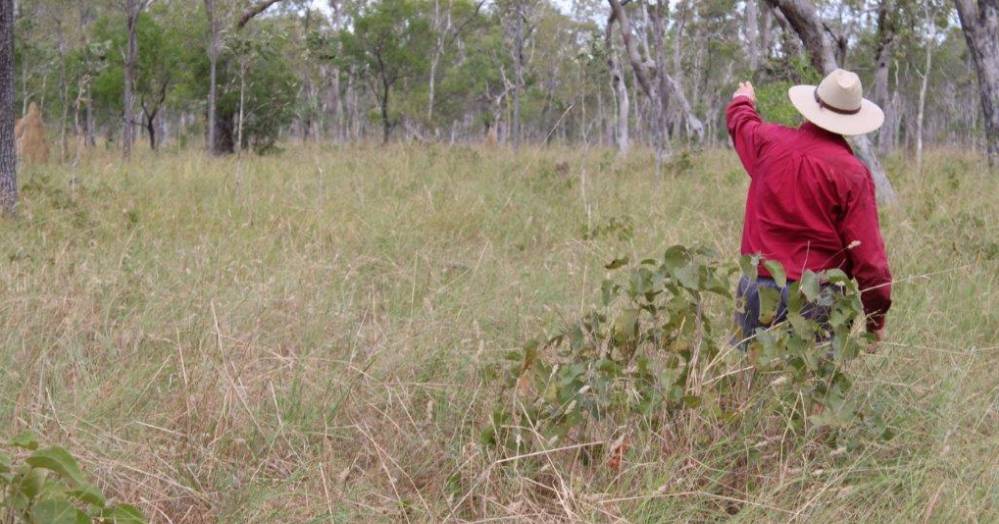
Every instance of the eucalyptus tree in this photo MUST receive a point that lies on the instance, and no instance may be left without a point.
(980, 22)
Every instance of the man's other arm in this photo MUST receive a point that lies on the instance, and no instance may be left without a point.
(868, 261)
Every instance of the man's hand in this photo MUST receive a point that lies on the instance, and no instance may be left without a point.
(746, 90)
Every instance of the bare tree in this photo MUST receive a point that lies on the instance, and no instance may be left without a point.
(825, 50)
(8, 158)
(980, 22)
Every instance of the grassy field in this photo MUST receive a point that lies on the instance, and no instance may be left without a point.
(299, 337)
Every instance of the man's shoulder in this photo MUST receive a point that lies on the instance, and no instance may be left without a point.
(777, 134)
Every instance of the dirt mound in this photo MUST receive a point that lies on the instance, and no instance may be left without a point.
(29, 132)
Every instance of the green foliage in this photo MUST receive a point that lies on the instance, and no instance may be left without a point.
(775, 106)
(621, 228)
(649, 353)
(270, 85)
(390, 40)
(48, 487)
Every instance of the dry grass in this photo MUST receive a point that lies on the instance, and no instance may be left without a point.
(298, 338)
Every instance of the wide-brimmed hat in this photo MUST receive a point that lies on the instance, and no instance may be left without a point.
(837, 104)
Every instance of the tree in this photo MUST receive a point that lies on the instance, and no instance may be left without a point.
(213, 58)
(886, 35)
(220, 126)
(823, 45)
(391, 42)
(8, 160)
(651, 75)
(133, 8)
(157, 71)
(980, 22)
(517, 17)
(618, 86)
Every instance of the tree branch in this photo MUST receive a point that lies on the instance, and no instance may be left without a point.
(253, 11)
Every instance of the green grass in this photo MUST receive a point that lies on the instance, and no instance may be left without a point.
(299, 338)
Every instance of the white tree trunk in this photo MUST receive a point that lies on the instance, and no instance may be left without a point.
(922, 105)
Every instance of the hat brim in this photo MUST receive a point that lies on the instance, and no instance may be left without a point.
(869, 118)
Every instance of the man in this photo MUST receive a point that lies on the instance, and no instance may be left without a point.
(811, 202)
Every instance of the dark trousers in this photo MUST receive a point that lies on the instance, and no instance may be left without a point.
(749, 295)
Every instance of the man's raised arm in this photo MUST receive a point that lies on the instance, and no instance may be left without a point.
(744, 125)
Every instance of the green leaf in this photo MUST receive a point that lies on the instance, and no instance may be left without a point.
(626, 326)
(691, 401)
(689, 276)
(810, 285)
(125, 514)
(31, 481)
(776, 270)
(769, 302)
(57, 511)
(58, 460)
(617, 262)
(90, 494)
(4, 462)
(835, 276)
(676, 257)
(25, 440)
(749, 265)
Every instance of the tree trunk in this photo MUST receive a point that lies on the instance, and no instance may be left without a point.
(133, 8)
(442, 29)
(64, 93)
(386, 124)
(822, 45)
(518, 72)
(882, 61)
(660, 105)
(922, 105)
(981, 30)
(213, 57)
(242, 104)
(8, 158)
(619, 88)
(752, 34)
(151, 129)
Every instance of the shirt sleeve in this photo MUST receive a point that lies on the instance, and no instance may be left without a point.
(868, 261)
(746, 129)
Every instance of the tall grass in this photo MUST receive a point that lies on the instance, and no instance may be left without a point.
(299, 337)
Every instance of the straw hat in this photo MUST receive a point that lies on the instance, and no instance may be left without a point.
(837, 104)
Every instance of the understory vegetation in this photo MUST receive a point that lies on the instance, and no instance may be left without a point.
(425, 333)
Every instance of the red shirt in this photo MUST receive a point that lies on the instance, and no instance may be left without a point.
(810, 205)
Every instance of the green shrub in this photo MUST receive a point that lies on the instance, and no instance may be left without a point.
(48, 487)
(652, 354)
